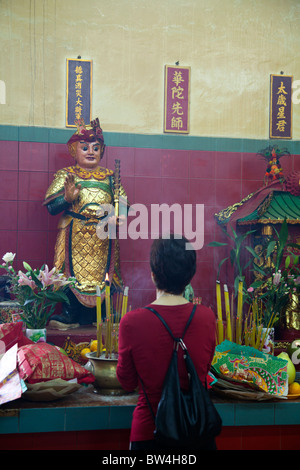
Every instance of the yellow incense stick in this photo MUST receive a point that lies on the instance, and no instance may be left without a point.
(219, 312)
(107, 295)
(239, 312)
(98, 304)
(125, 300)
(220, 331)
(228, 317)
(108, 337)
(233, 325)
(98, 309)
(99, 340)
(219, 302)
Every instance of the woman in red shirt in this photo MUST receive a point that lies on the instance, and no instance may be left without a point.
(145, 346)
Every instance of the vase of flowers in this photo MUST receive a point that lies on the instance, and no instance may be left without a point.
(274, 292)
(37, 335)
(37, 291)
(278, 284)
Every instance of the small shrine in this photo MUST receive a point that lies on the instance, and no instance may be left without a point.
(261, 214)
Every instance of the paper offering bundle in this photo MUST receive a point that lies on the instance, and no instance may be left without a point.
(251, 368)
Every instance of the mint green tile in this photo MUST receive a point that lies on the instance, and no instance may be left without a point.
(287, 412)
(33, 134)
(60, 136)
(175, 142)
(9, 424)
(152, 141)
(227, 144)
(42, 419)
(119, 139)
(254, 414)
(9, 133)
(254, 145)
(120, 417)
(87, 418)
(227, 413)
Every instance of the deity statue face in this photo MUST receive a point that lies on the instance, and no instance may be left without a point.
(88, 154)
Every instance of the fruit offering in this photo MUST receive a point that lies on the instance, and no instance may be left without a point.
(291, 371)
(294, 388)
(84, 351)
(93, 345)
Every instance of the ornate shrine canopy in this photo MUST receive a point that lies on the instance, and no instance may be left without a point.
(274, 209)
(270, 204)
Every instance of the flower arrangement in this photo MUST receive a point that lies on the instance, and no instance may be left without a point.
(36, 290)
(276, 284)
(267, 297)
(274, 293)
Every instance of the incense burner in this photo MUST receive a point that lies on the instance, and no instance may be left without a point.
(104, 370)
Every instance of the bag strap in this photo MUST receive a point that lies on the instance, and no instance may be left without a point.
(177, 340)
(167, 326)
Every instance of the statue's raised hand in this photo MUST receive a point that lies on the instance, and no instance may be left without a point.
(71, 190)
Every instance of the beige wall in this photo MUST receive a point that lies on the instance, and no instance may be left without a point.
(232, 47)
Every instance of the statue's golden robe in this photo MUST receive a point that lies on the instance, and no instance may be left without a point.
(79, 252)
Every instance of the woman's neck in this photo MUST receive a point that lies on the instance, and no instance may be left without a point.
(166, 298)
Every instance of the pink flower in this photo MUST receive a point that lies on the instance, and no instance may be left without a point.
(59, 281)
(46, 276)
(25, 280)
(52, 278)
(276, 278)
(250, 289)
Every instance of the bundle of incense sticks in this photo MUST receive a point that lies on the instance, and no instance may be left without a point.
(99, 321)
(117, 183)
(245, 329)
(255, 333)
(108, 329)
(231, 328)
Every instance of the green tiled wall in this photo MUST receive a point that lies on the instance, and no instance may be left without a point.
(119, 417)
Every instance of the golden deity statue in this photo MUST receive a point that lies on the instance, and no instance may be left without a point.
(80, 193)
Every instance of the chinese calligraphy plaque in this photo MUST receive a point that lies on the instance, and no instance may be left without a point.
(176, 106)
(79, 91)
(281, 107)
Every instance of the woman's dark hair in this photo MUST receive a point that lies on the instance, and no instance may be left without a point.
(172, 264)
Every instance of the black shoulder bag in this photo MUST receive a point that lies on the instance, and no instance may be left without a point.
(184, 419)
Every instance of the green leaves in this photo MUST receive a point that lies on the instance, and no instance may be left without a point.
(278, 247)
(237, 244)
(212, 244)
(58, 296)
(270, 248)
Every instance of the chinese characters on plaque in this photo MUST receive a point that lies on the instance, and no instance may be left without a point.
(176, 106)
(79, 91)
(281, 107)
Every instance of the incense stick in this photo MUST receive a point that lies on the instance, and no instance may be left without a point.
(243, 329)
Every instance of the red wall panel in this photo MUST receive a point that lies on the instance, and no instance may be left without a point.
(150, 176)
